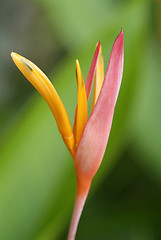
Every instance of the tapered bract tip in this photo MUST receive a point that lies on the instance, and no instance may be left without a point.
(78, 72)
(20, 61)
(77, 63)
(121, 33)
(13, 55)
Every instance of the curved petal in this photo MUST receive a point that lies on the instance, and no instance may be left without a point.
(91, 73)
(40, 81)
(94, 139)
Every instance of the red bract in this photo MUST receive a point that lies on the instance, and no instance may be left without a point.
(95, 135)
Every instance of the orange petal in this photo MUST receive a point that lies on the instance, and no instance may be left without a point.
(40, 81)
(82, 107)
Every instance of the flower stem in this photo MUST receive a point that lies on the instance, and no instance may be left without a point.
(78, 207)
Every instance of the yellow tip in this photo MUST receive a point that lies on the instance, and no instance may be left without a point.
(99, 77)
(40, 81)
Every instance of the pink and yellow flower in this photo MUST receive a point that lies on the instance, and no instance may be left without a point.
(88, 139)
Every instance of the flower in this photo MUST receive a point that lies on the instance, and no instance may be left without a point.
(87, 142)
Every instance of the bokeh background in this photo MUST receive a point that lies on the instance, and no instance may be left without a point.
(37, 179)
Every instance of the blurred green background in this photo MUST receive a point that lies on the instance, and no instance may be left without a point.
(37, 179)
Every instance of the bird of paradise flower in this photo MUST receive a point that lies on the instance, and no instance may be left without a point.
(87, 142)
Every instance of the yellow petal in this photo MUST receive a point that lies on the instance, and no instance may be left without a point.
(99, 77)
(82, 105)
(39, 80)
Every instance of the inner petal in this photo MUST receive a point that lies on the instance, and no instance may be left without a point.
(82, 105)
(99, 77)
